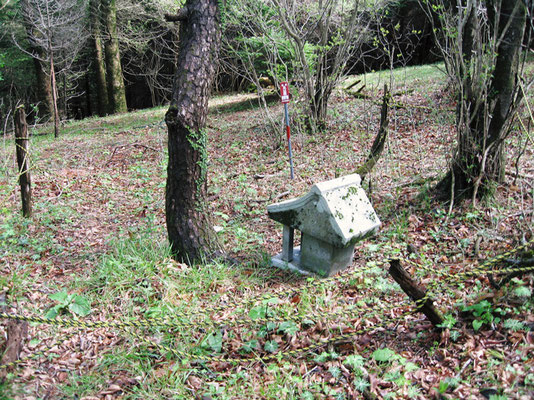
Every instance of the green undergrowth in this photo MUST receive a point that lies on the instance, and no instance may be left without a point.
(110, 124)
(138, 280)
(413, 78)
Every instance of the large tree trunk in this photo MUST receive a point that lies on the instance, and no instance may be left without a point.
(188, 226)
(484, 115)
(99, 62)
(115, 80)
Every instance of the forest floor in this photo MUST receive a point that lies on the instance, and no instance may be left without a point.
(95, 250)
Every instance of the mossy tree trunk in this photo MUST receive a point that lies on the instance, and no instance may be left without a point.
(189, 229)
(115, 80)
(99, 64)
(488, 96)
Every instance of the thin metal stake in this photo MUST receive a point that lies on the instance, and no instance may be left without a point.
(288, 131)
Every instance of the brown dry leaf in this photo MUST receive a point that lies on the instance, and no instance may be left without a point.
(194, 381)
(62, 377)
(295, 299)
(112, 389)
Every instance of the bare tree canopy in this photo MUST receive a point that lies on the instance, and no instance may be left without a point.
(56, 34)
(482, 44)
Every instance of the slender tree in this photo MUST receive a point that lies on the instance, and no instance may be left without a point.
(148, 47)
(44, 87)
(333, 28)
(56, 35)
(482, 44)
(189, 229)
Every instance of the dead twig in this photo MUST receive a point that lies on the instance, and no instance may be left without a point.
(353, 84)
(144, 146)
(277, 197)
(281, 195)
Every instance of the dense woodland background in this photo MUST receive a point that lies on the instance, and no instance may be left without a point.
(83, 35)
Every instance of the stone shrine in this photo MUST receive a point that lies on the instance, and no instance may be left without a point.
(332, 217)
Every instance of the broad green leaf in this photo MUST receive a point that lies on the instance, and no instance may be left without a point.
(270, 326)
(383, 355)
(271, 346)
(53, 312)
(80, 306)
(373, 247)
(477, 324)
(288, 327)
(60, 297)
(257, 312)
(213, 341)
(250, 346)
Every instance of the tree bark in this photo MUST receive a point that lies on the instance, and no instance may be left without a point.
(44, 88)
(99, 64)
(21, 144)
(189, 229)
(380, 140)
(115, 80)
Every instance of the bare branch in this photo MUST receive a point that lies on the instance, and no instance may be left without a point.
(178, 17)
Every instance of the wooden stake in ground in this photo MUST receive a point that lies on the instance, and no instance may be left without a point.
(21, 143)
(380, 139)
(16, 333)
(416, 293)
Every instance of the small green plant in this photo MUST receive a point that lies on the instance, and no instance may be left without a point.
(270, 346)
(383, 355)
(484, 313)
(213, 342)
(355, 362)
(325, 356)
(523, 291)
(288, 327)
(448, 383)
(449, 321)
(74, 303)
(360, 384)
(250, 346)
(498, 397)
(514, 324)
